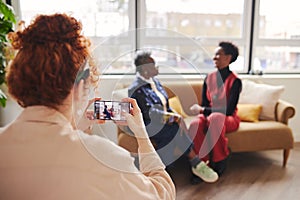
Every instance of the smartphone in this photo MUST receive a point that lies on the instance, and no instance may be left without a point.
(110, 110)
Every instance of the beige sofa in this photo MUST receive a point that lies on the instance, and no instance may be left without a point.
(251, 136)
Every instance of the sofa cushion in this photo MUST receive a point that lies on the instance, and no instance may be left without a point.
(264, 94)
(249, 112)
(175, 104)
(263, 135)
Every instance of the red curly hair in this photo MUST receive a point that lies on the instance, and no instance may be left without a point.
(51, 50)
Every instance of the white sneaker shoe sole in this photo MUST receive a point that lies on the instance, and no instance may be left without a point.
(208, 180)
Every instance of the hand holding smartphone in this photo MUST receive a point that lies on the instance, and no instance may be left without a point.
(111, 110)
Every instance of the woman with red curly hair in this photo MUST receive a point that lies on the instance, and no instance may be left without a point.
(43, 153)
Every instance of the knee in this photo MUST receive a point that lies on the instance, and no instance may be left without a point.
(194, 123)
(216, 117)
(197, 124)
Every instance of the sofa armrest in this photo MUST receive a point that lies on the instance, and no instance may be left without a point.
(284, 111)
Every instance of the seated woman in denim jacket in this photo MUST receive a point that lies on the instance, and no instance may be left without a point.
(165, 127)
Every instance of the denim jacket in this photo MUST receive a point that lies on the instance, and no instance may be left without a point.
(148, 101)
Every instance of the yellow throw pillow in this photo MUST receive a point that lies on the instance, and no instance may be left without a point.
(249, 112)
(175, 104)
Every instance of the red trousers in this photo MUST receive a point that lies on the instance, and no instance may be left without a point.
(208, 135)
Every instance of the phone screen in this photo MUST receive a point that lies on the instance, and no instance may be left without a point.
(110, 110)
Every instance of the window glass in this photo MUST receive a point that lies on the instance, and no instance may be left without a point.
(277, 59)
(277, 45)
(197, 18)
(106, 22)
(279, 19)
(190, 30)
(99, 17)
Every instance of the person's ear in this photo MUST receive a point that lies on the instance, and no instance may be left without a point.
(78, 90)
(229, 58)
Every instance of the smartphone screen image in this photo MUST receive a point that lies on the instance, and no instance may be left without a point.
(110, 110)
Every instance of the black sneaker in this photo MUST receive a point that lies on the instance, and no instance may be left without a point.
(220, 166)
(195, 180)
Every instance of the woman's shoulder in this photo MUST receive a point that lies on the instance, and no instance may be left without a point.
(136, 85)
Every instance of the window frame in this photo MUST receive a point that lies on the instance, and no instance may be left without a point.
(249, 40)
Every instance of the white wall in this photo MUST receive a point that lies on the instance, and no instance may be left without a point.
(108, 84)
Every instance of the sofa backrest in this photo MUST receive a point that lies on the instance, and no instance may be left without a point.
(188, 93)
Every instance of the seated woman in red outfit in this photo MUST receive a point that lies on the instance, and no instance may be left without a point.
(218, 111)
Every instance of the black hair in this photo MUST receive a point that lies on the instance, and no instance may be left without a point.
(230, 49)
(141, 58)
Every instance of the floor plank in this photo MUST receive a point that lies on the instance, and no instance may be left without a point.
(255, 175)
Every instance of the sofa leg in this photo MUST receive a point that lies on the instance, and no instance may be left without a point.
(286, 153)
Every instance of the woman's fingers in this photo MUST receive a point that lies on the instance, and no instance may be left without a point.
(135, 108)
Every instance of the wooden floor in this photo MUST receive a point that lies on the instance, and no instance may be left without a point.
(249, 176)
